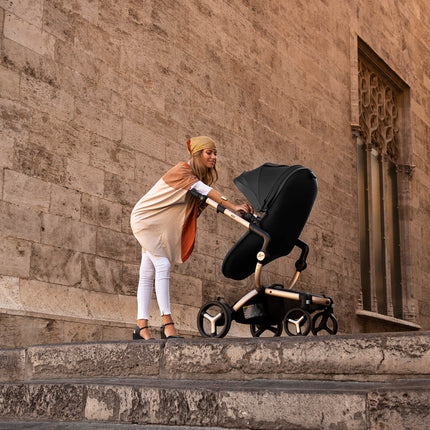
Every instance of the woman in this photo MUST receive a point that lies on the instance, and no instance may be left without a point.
(164, 223)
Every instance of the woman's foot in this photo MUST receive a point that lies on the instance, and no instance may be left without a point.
(141, 331)
(168, 329)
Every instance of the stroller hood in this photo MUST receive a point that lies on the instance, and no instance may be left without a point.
(286, 195)
(261, 185)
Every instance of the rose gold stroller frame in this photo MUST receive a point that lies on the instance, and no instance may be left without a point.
(321, 302)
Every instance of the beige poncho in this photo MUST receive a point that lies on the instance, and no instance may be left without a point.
(164, 219)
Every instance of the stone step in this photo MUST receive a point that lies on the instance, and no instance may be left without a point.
(355, 382)
(85, 425)
(353, 357)
(256, 404)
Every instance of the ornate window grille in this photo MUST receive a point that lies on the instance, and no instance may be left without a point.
(383, 189)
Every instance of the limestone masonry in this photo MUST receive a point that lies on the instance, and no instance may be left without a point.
(98, 98)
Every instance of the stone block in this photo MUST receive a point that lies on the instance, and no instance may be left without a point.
(15, 257)
(149, 169)
(97, 42)
(34, 296)
(85, 89)
(112, 157)
(144, 95)
(87, 9)
(260, 410)
(19, 222)
(30, 63)
(25, 191)
(403, 409)
(125, 221)
(78, 332)
(200, 266)
(134, 62)
(9, 83)
(6, 154)
(125, 359)
(116, 245)
(101, 212)
(68, 234)
(29, 35)
(47, 131)
(113, 333)
(129, 279)
(116, 81)
(142, 139)
(56, 265)
(85, 178)
(128, 306)
(20, 331)
(98, 120)
(9, 293)
(101, 274)
(46, 98)
(103, 306)
(212, 359)
(59, 22)
(12, 365)
(124, 192)
(185, 290)
(65, 202)
(38, 396)
(79, 61)
(14, 119)
(35, 161)
(30, 11)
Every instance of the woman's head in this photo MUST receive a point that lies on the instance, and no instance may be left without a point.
(203, 158)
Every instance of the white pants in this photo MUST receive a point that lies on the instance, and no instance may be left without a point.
(151, 268)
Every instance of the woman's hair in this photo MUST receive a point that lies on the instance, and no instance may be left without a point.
(207, 175)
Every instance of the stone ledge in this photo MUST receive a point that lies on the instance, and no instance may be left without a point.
(395, 321)
(353, 357)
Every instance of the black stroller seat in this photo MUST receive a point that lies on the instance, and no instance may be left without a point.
(283, 196)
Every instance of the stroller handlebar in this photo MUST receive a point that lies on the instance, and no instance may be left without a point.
(245, 222)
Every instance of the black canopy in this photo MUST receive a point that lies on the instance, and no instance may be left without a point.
(262, 184)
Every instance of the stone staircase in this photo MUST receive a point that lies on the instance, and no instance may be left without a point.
(339, 382)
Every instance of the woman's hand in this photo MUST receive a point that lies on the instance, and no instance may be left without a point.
(245, 207)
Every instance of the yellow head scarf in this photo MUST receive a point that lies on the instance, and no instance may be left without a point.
(196, 144)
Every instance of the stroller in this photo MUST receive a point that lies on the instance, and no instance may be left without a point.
(283, 197)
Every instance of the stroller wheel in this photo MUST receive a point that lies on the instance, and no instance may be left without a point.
(328, 323)
(297, 322)
(214, 319)
(258, 330)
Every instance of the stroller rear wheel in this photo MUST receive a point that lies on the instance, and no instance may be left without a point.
(297, 322)
(214, 319)
(259, 329)
(328, 323)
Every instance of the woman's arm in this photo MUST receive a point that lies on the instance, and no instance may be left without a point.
(217, 197)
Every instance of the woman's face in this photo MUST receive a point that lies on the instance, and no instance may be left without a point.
(209, 158)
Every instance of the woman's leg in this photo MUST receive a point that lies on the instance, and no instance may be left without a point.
(144, 293)
(162, 280)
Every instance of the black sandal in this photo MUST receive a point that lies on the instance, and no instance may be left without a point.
(163, 335)
(136, 333)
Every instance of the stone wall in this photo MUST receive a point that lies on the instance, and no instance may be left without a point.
(98, 98)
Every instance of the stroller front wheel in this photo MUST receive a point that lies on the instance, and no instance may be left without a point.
(297, 322)
(214, 319)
